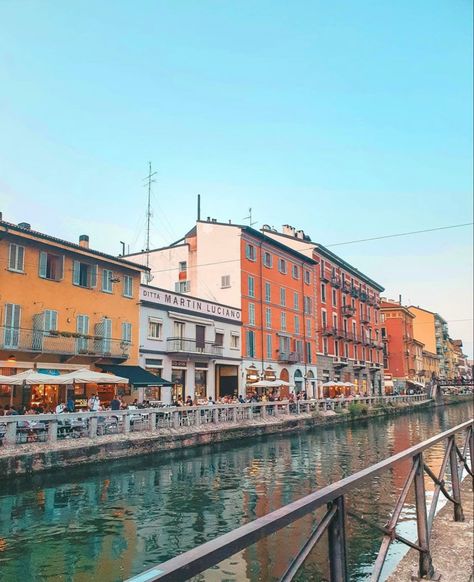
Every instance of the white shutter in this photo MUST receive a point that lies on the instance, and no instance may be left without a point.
(38, 331)
(12, 325)
(16, 257)
(50, 320)
(76, 273)
(60, 275)
(43, 264)
(93, 276)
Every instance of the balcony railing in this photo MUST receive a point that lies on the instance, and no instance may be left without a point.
(62, 343)
(340, 361)
(358, 364)
(290, 357)
(348, 310)
(328, 330)
(184, 345)
(336, 281)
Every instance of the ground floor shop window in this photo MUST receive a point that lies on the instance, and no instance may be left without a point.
(178, 378)
(152, 393)
(227, 379)
(200, 384)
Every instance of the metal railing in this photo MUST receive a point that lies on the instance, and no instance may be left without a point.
(17, 430)
(56, 342)
(332, 497)
(192, 346)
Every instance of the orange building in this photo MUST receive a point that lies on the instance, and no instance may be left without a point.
(63, 305)
(403, 354)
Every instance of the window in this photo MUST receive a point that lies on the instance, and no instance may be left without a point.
(225, 281)
(250, 343)
(251, 285)
(325, 346)
(219, 341)
(324, 318)
(103, 331)
(336, 348)
(251, 313)
(12, 325)
(50, 322)
(267, 260)
(269, 346)
(179, 287)
(250, 252)
(234, 341)
(51, 266)
(295, 272)
(334, 321)
(296, 300)
(82, 328)
(307, 277)
(309, 358)
(126, 333)
(299, 349)
(283, 321)
(84, 274)
(268, 317)
(308, 327)
(183, 266)
(323, 293)
(16, 258)
(308, 306)
(107, 276)
(282, 296)
(268, 292)
(282, 266)
(155, 328)
(297, 324)
(284, 345)
(334, 298)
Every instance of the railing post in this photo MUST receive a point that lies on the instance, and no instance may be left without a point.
(215, 415)
(175, 418)
(197, 417)
(92, 427)
(52, 431)
(425, 565)
(471, 448)
(126, 422)
(152, 421)
(263, 410)
(337, 543)
(10, 435)
(235, 414)
(453, 464)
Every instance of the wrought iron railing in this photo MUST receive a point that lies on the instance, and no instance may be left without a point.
(195, 561)
(61, 342)
(192, 346)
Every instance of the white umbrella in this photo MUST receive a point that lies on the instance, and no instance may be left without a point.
(30, 377)
(349, 384)
(283, 383)
(329, 384)
(263, 384)
(85, 376)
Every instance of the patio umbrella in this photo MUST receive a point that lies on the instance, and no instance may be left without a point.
(263, 384)
(282, 383)
(349, 384)
(29, 377)
(85, 376)
(328, 384)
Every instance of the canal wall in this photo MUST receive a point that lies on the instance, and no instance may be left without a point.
(35, 457)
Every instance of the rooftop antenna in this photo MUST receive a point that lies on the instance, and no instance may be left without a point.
(199, 207)
(249, 218)
(149, 181)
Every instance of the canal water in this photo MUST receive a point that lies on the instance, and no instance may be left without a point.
(110, 522)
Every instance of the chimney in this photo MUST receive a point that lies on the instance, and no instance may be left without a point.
(84, 241)
(400, 299)
(288, 230)
(300, 234)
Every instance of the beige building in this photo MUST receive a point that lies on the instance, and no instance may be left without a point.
(432, 330)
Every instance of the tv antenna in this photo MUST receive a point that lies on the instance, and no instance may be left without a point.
(249, 218)
(149, 181)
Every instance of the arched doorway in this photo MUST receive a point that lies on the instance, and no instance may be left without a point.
(284, 390)
(298, 381)
(311, 387)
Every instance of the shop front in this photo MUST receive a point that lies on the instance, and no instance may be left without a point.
(227, 380)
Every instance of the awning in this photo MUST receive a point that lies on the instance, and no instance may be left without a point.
(85, 376)
(31, 377)
(137, 375)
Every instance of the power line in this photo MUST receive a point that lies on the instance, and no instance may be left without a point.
(335, 244)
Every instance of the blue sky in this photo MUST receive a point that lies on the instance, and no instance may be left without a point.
(346, 119)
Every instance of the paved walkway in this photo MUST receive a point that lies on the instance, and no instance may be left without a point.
(452, 544)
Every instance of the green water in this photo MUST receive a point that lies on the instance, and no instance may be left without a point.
(109, 522)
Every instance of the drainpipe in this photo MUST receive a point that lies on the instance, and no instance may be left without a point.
(260, 269)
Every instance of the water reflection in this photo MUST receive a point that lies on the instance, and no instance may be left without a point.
(110, 522)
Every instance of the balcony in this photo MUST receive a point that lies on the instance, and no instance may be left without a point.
(62, 343)
(340, 362)
(374, 366)
(365, 318)
(289, 357)
(324, 276)
(354, 292)
(348, 310)
(358, 364)
(363, 296)
(328, 330)
(346, 288)
(183, 345)
(336, 281)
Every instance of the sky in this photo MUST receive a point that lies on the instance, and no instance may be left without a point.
(347, 119)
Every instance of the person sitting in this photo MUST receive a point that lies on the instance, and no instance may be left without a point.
(115, 404)
(189, 401)
(60, 408)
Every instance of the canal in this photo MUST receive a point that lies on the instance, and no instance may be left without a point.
(109, 522)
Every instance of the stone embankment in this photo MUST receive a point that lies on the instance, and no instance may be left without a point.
(35, 457)
(451, 545)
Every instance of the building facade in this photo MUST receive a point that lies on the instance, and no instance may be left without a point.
(272, 284)
(348, 336)
(191, 342)
(432, 330)
(63, 305)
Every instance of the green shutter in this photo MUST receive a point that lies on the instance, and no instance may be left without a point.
(76, 273)
(93, 279)
(43, 262)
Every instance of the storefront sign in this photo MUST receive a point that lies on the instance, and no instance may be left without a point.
(178, 364)
(198, 306)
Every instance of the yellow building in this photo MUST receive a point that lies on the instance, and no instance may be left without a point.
(430, 365)
(432, 330)
(64, 305)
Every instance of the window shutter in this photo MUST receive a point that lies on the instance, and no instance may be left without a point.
(93, 279)
(12, 259)
(43, 262)
(176, 288)
(60, 269)
(76, 272)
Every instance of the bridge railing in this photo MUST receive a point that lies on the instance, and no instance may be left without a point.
(16, 430)
(332, 497)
